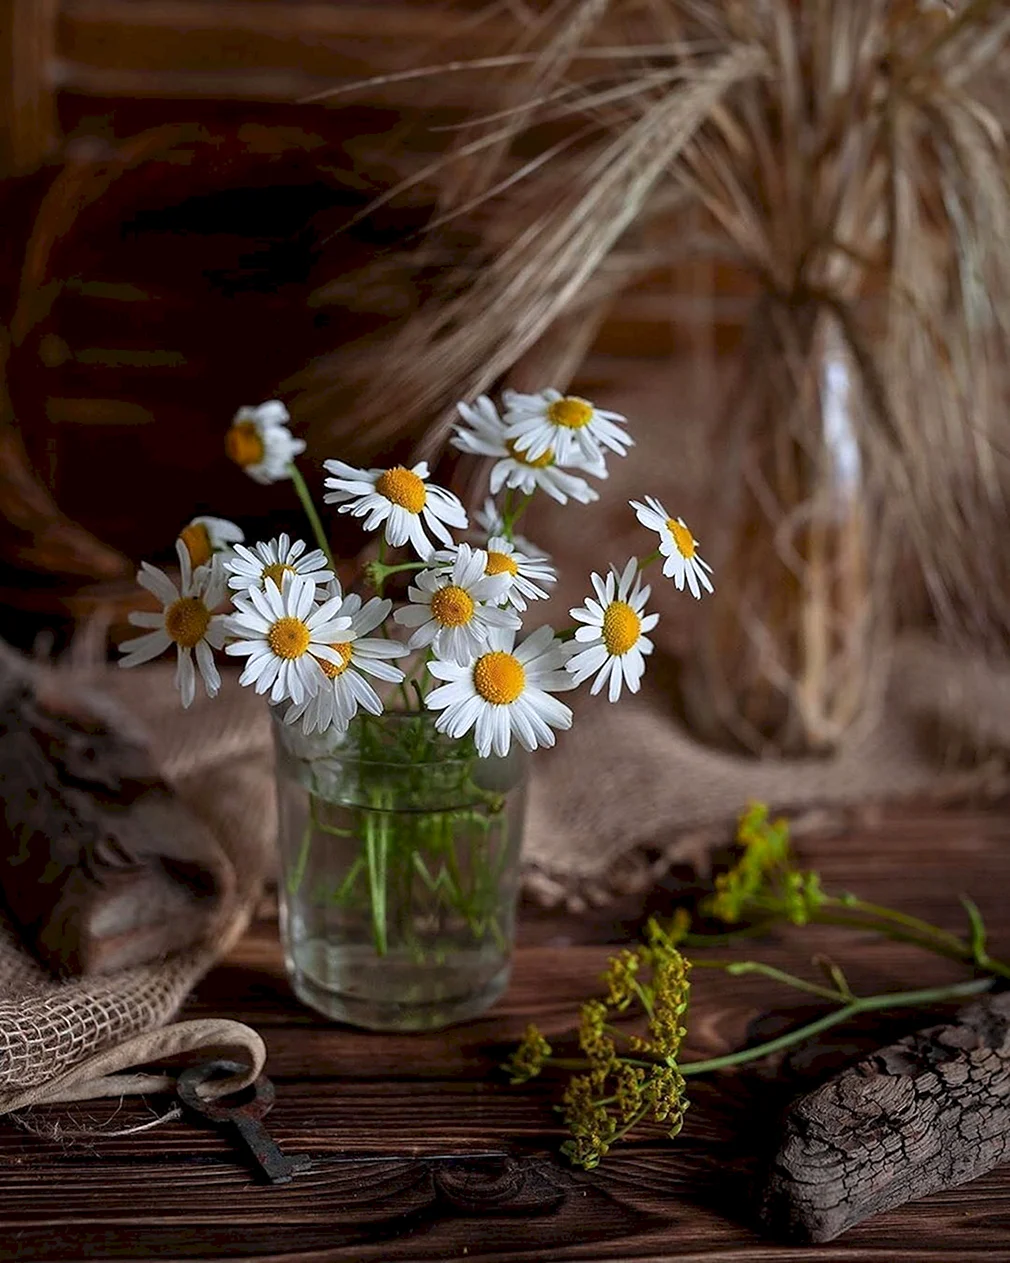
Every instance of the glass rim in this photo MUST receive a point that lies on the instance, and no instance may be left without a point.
(456, 751)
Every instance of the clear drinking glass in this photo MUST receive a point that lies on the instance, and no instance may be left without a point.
(400, 871)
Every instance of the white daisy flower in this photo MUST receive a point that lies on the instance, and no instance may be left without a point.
(506, 691)
(402, 498)
(492, 524)
(485, 435)
(454, 611)
(285, 637)
(346, 688)
(188, 621)
(277, 558)
(205, 537)
(613, 632)
(503, 558)
(260, 442)
(573, 430)
(677, 545)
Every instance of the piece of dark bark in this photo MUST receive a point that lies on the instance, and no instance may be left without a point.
(102, 866)
(927, 1113)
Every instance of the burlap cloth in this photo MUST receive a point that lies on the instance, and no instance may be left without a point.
(74, 1039)
(626, 794)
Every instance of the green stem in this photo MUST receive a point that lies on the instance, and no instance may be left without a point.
(913, 924)
(376, 849)
(643, 562)
(297, 874)
(863, 922)
(630, 1126)
(728, 937)
(507, 513)
(383, 571)
(740, 967)
(305, 496)
(869, 1004)
(519, 512)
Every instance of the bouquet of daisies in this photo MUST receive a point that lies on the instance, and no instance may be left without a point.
(314, 650)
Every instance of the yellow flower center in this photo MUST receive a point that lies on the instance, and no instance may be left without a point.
(572, 413)
(682, 537)
(621, 628)
(499, 677)
(452, 606)
(186, 621)
(501, 563)
(198, 545)
(402, 487)
(288, 637)
(332, 669)
(244, 444)
(277, 572)
(541, 462)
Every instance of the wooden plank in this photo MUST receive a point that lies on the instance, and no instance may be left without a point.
(377, 1111)
(28, 123)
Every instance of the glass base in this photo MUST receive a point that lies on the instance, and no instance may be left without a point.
(395, 992)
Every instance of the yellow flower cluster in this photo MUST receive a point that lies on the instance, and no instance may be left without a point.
(670, 992)
(529, 1058)
(621, 1090)
(593, 1127)
(765, 879)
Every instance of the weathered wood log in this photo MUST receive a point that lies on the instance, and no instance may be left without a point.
(101, 865)
(927, 1113)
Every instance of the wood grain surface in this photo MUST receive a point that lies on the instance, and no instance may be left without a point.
(422, 1152)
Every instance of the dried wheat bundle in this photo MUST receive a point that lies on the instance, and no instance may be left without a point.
(850, 157)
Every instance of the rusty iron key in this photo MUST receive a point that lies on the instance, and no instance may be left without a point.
(243, 1116)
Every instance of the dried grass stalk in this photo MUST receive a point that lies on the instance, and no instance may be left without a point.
(849, 156)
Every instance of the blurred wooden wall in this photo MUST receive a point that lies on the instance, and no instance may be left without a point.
(173, 250)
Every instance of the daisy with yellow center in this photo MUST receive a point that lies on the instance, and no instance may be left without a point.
(484, 434)
(285, 636)
(260, 442)
(454, 610)
(346, 688)
(276, 559)
(677, 545)
(504, 692)
(613, 637)
(187, 621)
(504, 558)
(572, 428)
(207, 537)
(402, 498)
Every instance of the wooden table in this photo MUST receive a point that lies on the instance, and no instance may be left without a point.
(398, 1127)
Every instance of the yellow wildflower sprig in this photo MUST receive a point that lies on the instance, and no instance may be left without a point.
(765, 880)
(766, 884)
(626, 1078)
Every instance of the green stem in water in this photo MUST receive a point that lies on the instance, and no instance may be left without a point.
(376, 851)
(297, 874)
(869, 1004)
(305, 496)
